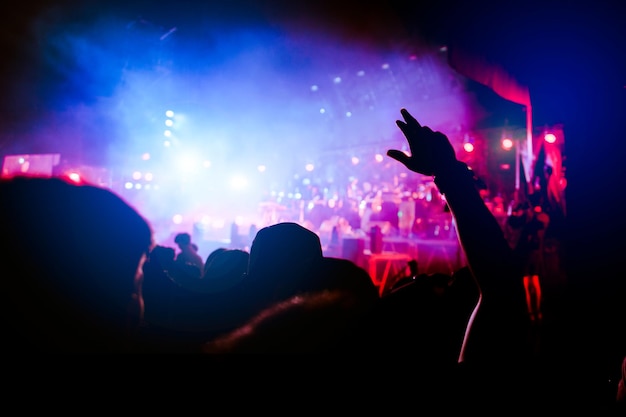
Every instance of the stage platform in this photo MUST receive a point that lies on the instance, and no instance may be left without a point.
(392, 262)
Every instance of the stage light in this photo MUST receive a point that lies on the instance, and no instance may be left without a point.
(238, 182)
(187, 163)
(507, 144)
(468, 143)
(309, 167)
(74, 177)
(549, 137)
(169, 113)
(378, 157)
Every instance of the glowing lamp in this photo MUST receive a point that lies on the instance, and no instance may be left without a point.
(549, 138)
(468, 147)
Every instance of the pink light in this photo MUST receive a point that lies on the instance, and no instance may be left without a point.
(550, 137)
(468, 147)
(507, 144)
(74, 176)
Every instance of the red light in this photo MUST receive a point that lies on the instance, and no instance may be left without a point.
(507, 144)
(549, 137)
(73, 176)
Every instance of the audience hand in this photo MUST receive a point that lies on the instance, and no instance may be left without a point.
(431, 152)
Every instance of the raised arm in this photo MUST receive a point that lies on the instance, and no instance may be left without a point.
(497, 327)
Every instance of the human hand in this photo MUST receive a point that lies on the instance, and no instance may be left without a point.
(431, 152)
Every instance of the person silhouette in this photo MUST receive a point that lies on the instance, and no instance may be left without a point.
(71, 259)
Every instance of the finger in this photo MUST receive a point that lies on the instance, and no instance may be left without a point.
(409, 119)
(398, 156)
(401, 125)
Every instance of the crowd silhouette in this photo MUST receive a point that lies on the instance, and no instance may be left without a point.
(83, 275)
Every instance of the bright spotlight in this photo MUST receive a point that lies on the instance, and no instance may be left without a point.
(187, 163)
(468, 147)
(378, 157)
(355, 160)
(177, 219)
(238, 182)
(74, 176)
(550, 137)
(136, 175)
(261, 168)
(309, 167)
(169, 113)
(169, 123)
(507, 144)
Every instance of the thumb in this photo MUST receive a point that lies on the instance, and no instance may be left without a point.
(398, 156)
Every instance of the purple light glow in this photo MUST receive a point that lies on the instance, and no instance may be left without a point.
(240, 94)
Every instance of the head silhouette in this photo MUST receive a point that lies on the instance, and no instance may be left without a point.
(282, 258)
(71, 264)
